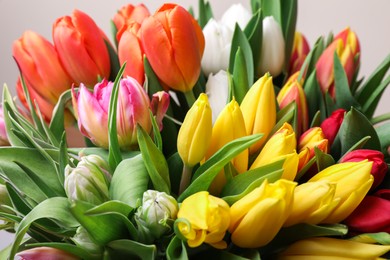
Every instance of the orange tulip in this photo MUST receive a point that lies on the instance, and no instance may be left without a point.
(81, 47)
(130, 13)
(173, 43)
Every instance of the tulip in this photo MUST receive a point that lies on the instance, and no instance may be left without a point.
(88, 181)
(353, 181)
(218, 36)
(81, 47)
(259, 110)
(82, 240)
(132, 109)
(229, 126)
(130, 51)
(236, 14)
(280, 146)
(47, 253)
(349, 38)
(331, 125)
(332, 248)
(314, 137)
(3, 131)
(203, 218)
(173, 43)
(258, 216)
(156, 215)
(159, 106)
(294, 92)
(300, 50)
(272, 48)
(194, 135)
(313, 202)
(130, 13)
(379, 166)
(217, 88)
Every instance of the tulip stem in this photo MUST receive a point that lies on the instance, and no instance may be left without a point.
(185, 178)
(190, 98)
(380, 118)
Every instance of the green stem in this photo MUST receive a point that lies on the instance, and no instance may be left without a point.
(190, 97)
(185, 178)
(380, 118)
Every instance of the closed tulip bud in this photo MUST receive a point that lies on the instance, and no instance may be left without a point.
(332, 248)
(280, 146)
(81, 47)
(314, 137)
(3, 131)
(353, 180)
(217, 88)
(349, 38)
(293, 92)
(92, 111)
(331, 125)
(156, 215)
(258, 216)
(159, 106)
(218, 36)
(299, 52)
(194, 135)
(87, 181)
(272, 48)
(203, 218)
(173, 43)
(313, 202)
(130, 51)
(229, 126)
(259, 110)
(236, 14)
(47, 253)
(130, 13)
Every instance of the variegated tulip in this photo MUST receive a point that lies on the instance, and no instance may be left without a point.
(299, 52)
(130, 13)
(194, 135)
(280, 146)
(228, 127)
(3, 131)
(48, 253)
(353, 180)
(259, 110)
(272, 48)
(331, 125)
(258, 216)
(81, 47)
(173, 43)
(217, 88)
(92, 111)
(159, 106)
(308, 141)
(203, 218)
(236, 14)
(313, 202)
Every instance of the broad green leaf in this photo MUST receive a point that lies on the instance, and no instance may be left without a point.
(176, 250)
(286, 115)
(240, 77)
(384, 136)
(20, 203)
(371, 103)
(254, 33)
(175, 165)
(313, 95)
(114, 61)
(152, 84)
(272, 8)
(323, 160)
(70, 248)
(311, 59)
(288, 12)
(63, 159)
(205, 12)
(156, 132)
(129, 249)
(382, 238)
(255, 5)
(57, 121)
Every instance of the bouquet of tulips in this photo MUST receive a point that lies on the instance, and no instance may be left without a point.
(227, 138)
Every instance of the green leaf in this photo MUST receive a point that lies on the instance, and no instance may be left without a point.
(323, 160)
(205, 13)
(175, 165)
(311, 59)
(240, 80)
(72, 249)
(288, 12)
(155, 162)
(383, 135)
(286, 115)
(57, 121)
(130, 181)
(206, 173)
(152, 84)
(114, 61)
(255, 5)
(371, 103)
(272, 8)
(54, 208)
(254, 33)
(19, 202)
(176, 250)
(382, 238)
(314, 95)
(156, 132)
(129, 249)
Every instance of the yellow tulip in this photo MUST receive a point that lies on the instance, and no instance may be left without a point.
(259, 110)
(331, 248)
(195, 133)
(280, 146)
(228, 127)
(258, 216)
(353, 180)
(313, 202)
(204, 218)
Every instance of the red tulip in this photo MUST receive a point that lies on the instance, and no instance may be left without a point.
(130, 13)
(81, 47)
(299, 52)
(173, 43)
(331, 125)
(379, 166)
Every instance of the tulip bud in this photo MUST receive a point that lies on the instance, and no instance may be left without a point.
(258, 216)
(353, 180)
(229, 126)
(218, 36)
(331, 125)
(159, 106)
(314, 137)
(194, 135)
(3, 131)
(130, 13)
(81, 47)
(272, 48)
(47, 253)
(299, 52)
(156, 215)
(87, 181)
(203, 218)
(379, 166)
(294, 92)
(259, 110)
(173, 43)
(83, 240)
(280, 146)
(217, 88)
(332, 248)
(313, 202)
(236, 13)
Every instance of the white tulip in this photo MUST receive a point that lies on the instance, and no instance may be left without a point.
(217, 89)
(236, 13)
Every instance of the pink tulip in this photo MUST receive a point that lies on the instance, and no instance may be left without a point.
(159, 106)
(331, 125)
(3, 131)
(44, 253)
